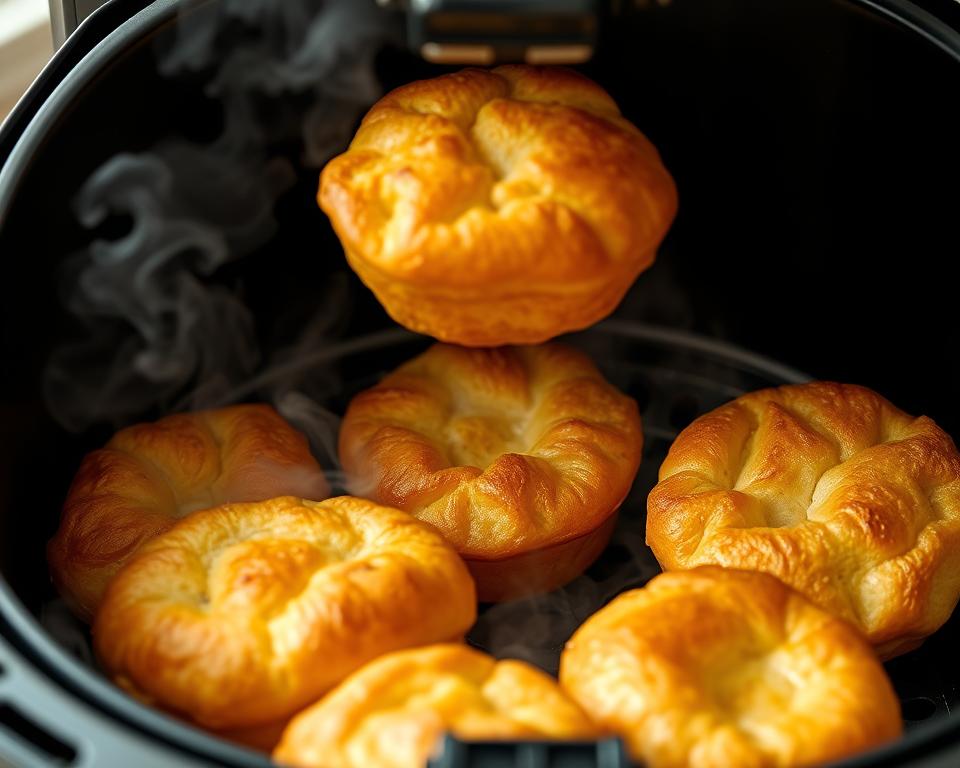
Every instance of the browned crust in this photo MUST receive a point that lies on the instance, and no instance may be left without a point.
(830, 488)
(150, 475)
(712, 667)
(542, 570)
(396, 708)
(498, 206)
(506, 451)
(240, 615)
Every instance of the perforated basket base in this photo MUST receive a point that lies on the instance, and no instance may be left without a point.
(675, 377)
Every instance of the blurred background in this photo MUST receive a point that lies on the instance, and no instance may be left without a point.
(25, 45)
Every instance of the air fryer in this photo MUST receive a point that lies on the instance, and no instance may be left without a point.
(815, 148)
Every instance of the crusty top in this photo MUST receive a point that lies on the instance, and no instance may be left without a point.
(714, 667)
(242, 614)
(504, 450)
(150, 475)
(393, 711)
(832, 489)
(516, 178)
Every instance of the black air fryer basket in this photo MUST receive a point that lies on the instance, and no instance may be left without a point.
(816, 149)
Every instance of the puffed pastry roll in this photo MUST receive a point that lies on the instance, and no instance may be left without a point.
(392, 712)
(240, 615)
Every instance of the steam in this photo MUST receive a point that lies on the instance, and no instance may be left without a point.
(319, 49)
(163, 328)
(152, 323)
(159, 331)
(288, 379)
(535, 629)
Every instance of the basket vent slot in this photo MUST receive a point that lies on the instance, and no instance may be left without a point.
(57, 751)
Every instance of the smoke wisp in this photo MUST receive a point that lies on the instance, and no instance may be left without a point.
(157, 330)
(162, 329)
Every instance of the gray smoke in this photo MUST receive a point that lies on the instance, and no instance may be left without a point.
(162, 329)
(158, 330)
(152, 322)
(536, 628)
(322, 49)
(156, 327)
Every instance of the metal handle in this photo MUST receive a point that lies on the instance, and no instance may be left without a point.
(43, 725)
(608, 753)
(484, 33)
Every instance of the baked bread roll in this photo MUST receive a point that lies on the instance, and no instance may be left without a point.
(831, 489)
(392, 712)
(498, 207)
(715, 667)
(150, 475)
(240, 615)
(519, 456)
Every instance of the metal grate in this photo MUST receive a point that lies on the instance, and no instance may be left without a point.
(675, 377)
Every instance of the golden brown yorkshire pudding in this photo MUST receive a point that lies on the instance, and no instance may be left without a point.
(392, 712)
(502, 206)
(240, 615)
(150, 475)
(714, 667)
(830, 488)
(519, 456)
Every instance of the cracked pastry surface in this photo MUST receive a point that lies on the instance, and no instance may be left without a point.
(714, 667)
(393, 711)
(520, 456)
(242, 614)
(150, 475)
(503, 206)
(830, 488)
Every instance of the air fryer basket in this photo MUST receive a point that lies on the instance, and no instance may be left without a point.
(814, 145)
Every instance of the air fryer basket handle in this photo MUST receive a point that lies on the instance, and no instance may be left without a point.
(607, 753)
(42, 725)
(936, 19)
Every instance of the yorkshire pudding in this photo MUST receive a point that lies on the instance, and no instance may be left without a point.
(240, 615)
(714, 667)
(150, 475)
(502, 206)
(831, 489)
(519, 456)
(392, 712)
